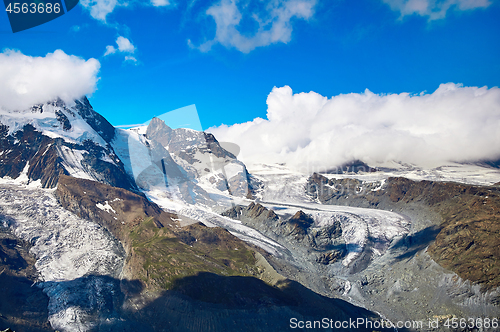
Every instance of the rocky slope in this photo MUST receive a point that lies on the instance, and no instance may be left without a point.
(205, 269)
(22, 307)
(326, 243)
(467, 216)
(393, 275)
(158, 250)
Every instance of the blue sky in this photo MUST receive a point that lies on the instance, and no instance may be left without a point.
(217, 55)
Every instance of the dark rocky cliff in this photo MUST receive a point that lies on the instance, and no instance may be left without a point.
(22, 306)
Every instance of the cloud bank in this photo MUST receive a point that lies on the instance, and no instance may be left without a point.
(310, 132)
(434, 9)
(273, 23)
(26, 80)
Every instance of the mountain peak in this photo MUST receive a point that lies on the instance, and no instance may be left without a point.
(94, 119)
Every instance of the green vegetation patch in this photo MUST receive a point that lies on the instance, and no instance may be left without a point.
(161, 255)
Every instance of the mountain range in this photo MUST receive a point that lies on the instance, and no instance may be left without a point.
(157, 229)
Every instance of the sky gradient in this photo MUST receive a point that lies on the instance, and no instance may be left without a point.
(226, 56)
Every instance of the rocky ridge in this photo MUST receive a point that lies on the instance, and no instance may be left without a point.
(53, 139)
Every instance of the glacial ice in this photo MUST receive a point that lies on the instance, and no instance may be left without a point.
(75, 257)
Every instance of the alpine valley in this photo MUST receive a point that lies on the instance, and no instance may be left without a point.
(161, 229)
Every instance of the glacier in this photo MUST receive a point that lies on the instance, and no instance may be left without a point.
(76, 258)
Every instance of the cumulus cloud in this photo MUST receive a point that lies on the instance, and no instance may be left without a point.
(434, 9)
(274, 23)
(124, 46)
(27, 80)
(109, 50)
(312, 132)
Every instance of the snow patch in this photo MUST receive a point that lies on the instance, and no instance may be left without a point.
(106, 207)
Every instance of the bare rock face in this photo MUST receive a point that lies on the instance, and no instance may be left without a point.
(95, 120)
(299, 224)
(354, 166)
(330, 257)
(22, 306)
(297, 230)
(29, 146)
(255, 215)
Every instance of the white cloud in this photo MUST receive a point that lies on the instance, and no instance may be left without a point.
(26, 80)
(434, 9)
(130, 58)
(312, 132)
(274, 24)
(160, 3)
(109, 50)
(99, 9)
(124, 45)
(272, 19)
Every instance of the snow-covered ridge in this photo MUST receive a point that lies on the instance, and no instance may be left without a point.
(474, 174)
(75, 133)
(50, 119)
(186, 165)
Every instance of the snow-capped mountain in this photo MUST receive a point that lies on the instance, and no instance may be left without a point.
(113, 218)
(181, 163)
(54, 138)
(204, 160)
